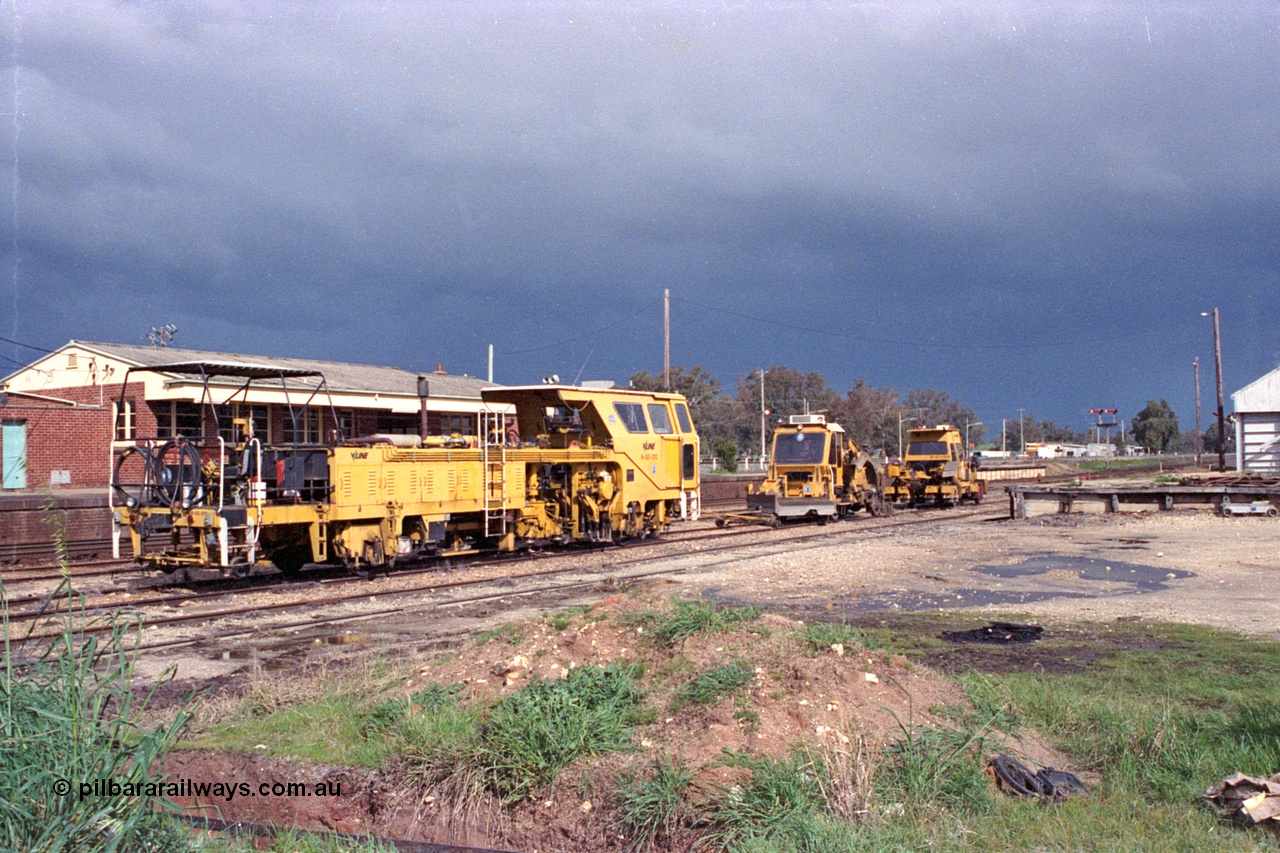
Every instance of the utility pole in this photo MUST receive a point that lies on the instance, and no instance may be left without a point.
(1217, 367)
(1022, 435)
(763, 412)
(1004, 444)
(490, 364)
(666, 340)
(1199, 435)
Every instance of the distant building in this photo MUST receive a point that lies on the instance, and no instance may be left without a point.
(1053, 450)
(59, 413)
(1257, 420)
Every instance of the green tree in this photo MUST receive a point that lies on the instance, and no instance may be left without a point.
(726, 449)
(932, 407)
(1156, 426)
(869, 416)
(786, 392)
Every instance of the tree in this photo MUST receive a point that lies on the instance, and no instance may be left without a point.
(932, 407)
(1156, 426)
(869, 416)
(727, 451)
(699, 387)
(1211, 440)
(1051, 431)
(786, 392)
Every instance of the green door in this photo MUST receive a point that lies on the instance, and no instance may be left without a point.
(14, 464)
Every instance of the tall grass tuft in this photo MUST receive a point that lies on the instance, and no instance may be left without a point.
(657, 805)
(524, 741)
(691, 616)
(68, 717)
(712, 686)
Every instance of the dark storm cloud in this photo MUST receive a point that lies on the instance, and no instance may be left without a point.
(1027, 204)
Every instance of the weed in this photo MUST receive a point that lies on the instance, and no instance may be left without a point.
(821, 636)
(656, 806)
(508, 633)
(712, 686)
(688, 617)
(564, 618)
(778, 801)
(935, 766)
(292, 841)
(533, 734)
(69, 717)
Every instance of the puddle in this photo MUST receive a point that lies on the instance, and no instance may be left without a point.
(1088, 578)
(1145, 578)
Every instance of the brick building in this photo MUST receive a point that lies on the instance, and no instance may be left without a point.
(60, 413)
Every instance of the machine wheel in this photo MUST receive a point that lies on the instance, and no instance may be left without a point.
(291, 560)
(1271, 513)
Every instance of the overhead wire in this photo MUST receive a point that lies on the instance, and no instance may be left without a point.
(968, 345)
(581, 337)
(28, 346)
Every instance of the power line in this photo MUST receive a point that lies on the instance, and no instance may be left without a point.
(28, 346)
(915, 343)
(583, 337)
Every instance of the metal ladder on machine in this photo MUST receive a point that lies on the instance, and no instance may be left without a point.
(493, 437)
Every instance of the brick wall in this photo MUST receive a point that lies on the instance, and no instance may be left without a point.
(77, 438)
(71, 438)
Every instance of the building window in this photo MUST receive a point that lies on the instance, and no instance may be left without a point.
(179, 418)
(457, 424)
(308, 426)
(347, 422)
(73, 362)
(123, 417)
(394, 423)
(228, 415)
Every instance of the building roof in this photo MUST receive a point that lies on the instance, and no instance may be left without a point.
(1260, 395)
(340, 376)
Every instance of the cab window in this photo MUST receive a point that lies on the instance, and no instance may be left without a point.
(660, 418)
(798, 449)
(632, 416)
(682, 415)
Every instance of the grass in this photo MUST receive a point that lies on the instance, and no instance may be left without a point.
(1171, 720)
(818, 637)
(291, 841)
(655, 806)
(509, 634)
(715, 685)
(1152, 714)
(69, 716)
(688, 617)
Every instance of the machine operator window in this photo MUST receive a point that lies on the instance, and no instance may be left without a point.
(632, 416)
(799, 449)
(927, 448)
(660, 418)
(682, 415)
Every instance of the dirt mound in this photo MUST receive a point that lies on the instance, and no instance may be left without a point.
(791, 693)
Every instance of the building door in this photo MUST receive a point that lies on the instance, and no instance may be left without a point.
(13, 467)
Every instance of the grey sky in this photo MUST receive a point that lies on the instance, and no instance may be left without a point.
(1025, 204)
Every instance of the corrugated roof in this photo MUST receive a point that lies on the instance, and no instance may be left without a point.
(341, 376)
(1260, 395)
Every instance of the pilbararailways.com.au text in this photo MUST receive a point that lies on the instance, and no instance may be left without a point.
(227, 791)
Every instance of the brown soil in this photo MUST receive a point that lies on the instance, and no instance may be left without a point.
(839, 697)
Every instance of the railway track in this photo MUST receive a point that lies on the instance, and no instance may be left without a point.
(56, 601)
(501, 585)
